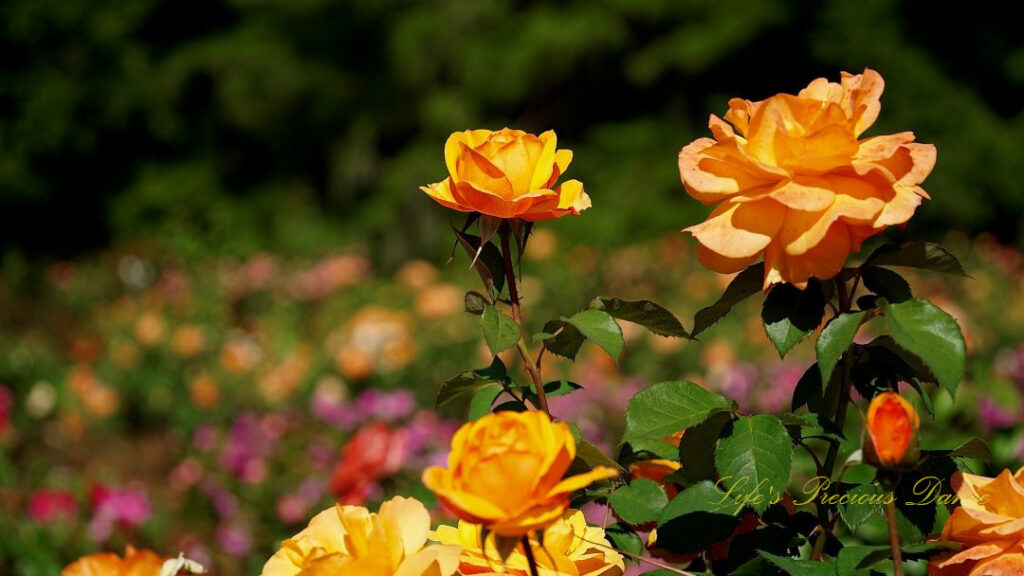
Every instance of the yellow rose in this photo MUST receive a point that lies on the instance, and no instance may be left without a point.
(794, 182)
(353, 541)
(990, 525)
(508, 174)
(571, 548)
(505, 472)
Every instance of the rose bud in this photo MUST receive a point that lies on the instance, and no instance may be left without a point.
(890, 438)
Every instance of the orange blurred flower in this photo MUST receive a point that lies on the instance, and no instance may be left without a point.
(375, 452)
(508, 174)
(990, 525)
(890, 437)
(352, 540)
(793, 181)
(99, 399)
(150, 329)
(204, 391)
(505, 472)
(374, 340)
(570, 548)
(188, 341)
(134, 563)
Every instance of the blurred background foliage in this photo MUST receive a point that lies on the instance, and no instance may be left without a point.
(240, 125)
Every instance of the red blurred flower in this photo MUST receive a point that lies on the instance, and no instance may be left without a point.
(375, 452)
(47, 505)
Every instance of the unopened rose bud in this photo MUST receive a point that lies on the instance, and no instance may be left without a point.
(890, 438)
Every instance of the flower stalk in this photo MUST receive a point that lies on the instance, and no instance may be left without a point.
(513, 293)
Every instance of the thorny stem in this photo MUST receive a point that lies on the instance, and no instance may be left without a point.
(528, 550)
(845, 305)
(517, 315)
(894, 537)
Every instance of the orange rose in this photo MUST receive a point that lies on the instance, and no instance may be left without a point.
(656, 470)
(352, 540)
(508, 174)
(571, 548)
(793, 181)
(990, 525)
(505, 472)
(134, 563)
(890, 437)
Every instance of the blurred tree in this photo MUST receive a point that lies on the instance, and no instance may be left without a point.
(238, 125)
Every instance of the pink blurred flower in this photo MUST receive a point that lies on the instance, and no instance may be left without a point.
(234, 538)
(993, 416)
(116, 508)
(46, 505)
(386, 405)
(6, 403)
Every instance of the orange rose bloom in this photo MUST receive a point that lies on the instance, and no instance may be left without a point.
(508, 174)
(656, 470)
(792, 180)
(890, 437)
(990, 525)
(134, 563)
(505, 472)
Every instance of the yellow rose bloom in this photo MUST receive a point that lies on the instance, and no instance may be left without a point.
(353, 541)
(505, 472)
(571, 548)
(508, 174)
(990, 525)
(794, 182)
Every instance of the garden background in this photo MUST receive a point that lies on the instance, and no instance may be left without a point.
(218, 268)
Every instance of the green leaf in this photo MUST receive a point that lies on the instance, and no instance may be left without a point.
(864, 502)
(856, 560)
(487, 261)
(886, 283)
(754, 457)
(662, 409)
(835, 339)
(744, 285)
(797, 567)
(623, 537)
(638, 502)
(500, 331)
(790, 314)
(601, 329)
(910, 552)
(483, 400)
(812, 425)
(697, 517)
(974, 448)
(470, 382)
(566, 341)
(926, 331)
(809, 390)
(697, 448)
(924, 255)
(643, 312)
(475, 302)
(555, 388)
(591, 457)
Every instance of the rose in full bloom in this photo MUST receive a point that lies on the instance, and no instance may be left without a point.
(890, 436)
(571, 548)
(375, 452)
(508, 174)
(134, 563)
(505, 472)
(989, 524)
(793, 180)
(353, 541)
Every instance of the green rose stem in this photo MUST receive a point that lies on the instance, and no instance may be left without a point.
(894, 537)
(513, 294)
(845, 299)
